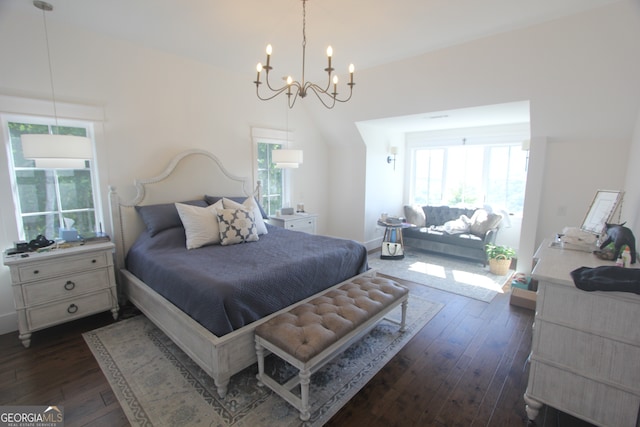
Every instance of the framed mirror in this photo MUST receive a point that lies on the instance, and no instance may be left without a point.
(602, 208)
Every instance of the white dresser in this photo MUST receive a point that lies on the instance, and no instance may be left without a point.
(296, 222)
(54, 287)
(585, 353)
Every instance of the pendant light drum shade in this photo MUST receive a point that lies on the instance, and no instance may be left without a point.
(286, 158)
(48, 146)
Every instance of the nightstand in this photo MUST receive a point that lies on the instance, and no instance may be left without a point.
(297, 222)
(55, 287)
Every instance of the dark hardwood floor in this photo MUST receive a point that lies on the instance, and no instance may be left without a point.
(466, 367)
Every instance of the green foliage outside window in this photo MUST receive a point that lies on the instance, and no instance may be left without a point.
(44, 195)
(271, 178)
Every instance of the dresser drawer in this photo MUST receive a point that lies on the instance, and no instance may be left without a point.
(63, 311)
(589, 355)
(65, 286)
(59, 267)
(592, 401)
(600, 313)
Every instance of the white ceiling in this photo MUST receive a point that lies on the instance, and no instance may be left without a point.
(233, 34)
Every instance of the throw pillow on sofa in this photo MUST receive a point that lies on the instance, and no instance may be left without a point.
(415, 215)
(483, 221)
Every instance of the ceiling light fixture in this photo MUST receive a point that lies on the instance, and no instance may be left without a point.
(54, 150)
(295, 88)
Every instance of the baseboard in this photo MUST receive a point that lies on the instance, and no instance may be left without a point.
(8, 323)
(374, 244)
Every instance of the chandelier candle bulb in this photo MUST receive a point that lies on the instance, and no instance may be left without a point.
(269, 50)
(259, 69)
(301, 88)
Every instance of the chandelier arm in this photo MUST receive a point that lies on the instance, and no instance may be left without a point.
(300, 88)
(266, 79)
(318, 90)
(319, 93)
(276, 93)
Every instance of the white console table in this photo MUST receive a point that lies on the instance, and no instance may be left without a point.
(585, 352)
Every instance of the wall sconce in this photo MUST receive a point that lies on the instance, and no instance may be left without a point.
(286, 158)
(392, 157)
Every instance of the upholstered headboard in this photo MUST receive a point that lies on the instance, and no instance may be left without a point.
(188, 176)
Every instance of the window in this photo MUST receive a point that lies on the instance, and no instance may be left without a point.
(274, 181)
(44, 197)
(469, 175)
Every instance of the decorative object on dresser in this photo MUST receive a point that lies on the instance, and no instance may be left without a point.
(585, 351)
(60, 285)
(297, 222)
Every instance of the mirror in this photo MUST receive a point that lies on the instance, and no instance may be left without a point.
(602, 208)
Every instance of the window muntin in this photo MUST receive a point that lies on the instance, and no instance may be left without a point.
(45, 196)
(272, 178)
(275, 181)
(470, 175)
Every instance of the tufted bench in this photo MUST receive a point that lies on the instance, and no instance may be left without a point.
(311, 334)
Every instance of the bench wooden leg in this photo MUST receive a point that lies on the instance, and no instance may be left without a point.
(305, 379)
(403, 322)
(260, 357)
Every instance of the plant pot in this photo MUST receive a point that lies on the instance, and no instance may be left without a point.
(499, 265)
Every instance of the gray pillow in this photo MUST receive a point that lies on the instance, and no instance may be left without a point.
(482, 221)
(164, 216)
(415, 215)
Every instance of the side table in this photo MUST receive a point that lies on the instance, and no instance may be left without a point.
(392, 242)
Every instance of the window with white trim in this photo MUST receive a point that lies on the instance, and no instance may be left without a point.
(274, 181)
(45, 196)
(469, 174)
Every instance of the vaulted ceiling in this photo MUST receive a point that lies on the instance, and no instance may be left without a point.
(233, 34)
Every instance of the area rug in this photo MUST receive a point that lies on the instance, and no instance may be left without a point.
(158, 385)
(449, 274)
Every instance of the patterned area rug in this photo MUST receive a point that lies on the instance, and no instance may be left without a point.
(449, 274)
(158, 385)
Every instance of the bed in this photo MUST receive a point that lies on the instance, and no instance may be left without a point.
(209, 300)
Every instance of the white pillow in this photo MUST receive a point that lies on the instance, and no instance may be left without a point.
(250, 205)
(200, 224)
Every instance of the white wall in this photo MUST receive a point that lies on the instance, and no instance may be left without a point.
(580, 75)
(631, 201)
(155, 105)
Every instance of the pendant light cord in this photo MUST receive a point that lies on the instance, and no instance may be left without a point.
(53, 92)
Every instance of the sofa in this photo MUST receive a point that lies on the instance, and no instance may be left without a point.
(451, 231)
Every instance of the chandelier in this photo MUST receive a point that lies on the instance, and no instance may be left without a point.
(294, 88)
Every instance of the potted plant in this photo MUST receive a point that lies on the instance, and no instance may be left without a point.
(499, 258)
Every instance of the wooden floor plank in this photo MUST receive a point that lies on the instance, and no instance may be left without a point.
(467, 366)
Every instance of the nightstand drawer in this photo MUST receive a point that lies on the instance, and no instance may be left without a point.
(307, 225)
(63, 311)
(64, 287)
(71, 264)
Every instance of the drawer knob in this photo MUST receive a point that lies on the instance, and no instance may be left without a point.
(69, 285)
(36, 271)
(72, 309)
(93, 261)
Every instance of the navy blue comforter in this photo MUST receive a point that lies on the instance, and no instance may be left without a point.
(227, 287)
